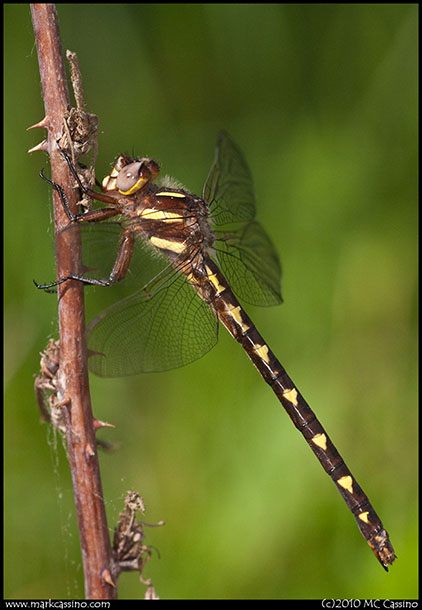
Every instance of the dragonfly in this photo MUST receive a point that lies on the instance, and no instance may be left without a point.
(199, 256)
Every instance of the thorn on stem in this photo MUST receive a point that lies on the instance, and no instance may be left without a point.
(43, 123)
(107, 577)
(102, 424)
(39, 147)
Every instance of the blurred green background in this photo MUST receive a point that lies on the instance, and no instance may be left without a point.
(322, 99)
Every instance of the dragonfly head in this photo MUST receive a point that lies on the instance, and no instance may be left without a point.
(130, 175)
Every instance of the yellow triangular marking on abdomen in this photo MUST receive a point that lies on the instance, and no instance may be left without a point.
(291, 396)
(347, 483)
(364, 517)
(236, 313)
(262, 350)
(214, 280)
(320, 440)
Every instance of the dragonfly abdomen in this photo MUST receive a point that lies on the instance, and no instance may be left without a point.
(240, 326)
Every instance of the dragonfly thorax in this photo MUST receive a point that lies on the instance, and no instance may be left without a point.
(174, 220)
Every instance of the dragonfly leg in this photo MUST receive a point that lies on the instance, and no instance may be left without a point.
(78, 278)
(62, 195)
(93, 215)
(119, 271)
(93, 194)
(124, 256)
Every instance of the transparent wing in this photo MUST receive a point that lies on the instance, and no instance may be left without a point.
(250, 264)
(228, 188)
(246, 254)
(100, 245)
(152, 320)
(162, 326)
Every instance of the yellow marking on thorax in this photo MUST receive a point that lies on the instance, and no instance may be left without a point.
(347, 483)
(214, 280)
(262, 350)
(320, 440)
(109, 183)
(364, 517)
(236, 313)
(170, 194)
(166, 244)
(291, 396)
(151, 214)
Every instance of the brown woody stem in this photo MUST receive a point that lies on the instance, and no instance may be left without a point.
(73, 373)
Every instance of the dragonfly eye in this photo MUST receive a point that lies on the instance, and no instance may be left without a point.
(132, 177)
(135, 175)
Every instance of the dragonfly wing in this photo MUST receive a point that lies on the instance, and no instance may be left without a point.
(250, 263)
(247, 257)
(162, 326)
(100, 246)
(228, 188)
(100, 243)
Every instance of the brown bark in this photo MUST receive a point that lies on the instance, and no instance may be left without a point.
(73, 384)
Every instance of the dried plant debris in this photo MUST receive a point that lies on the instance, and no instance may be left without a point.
(46, 387)
(129, 549)
(80, 130)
